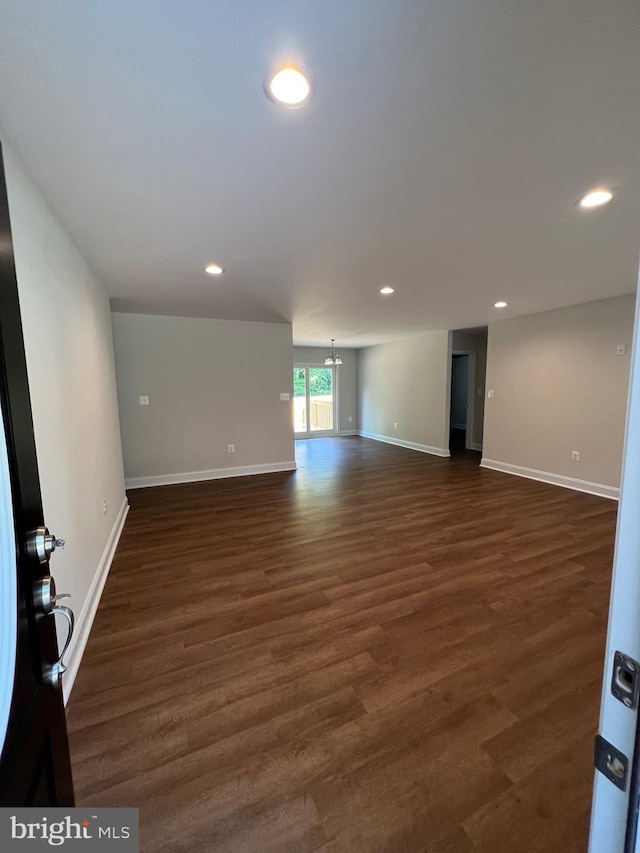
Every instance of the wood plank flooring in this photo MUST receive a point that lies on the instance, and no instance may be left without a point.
(383, 651)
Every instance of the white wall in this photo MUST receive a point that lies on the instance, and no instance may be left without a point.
(559, 386)
(347, 382)
(210, 383)
(68, 344)
(407, 382)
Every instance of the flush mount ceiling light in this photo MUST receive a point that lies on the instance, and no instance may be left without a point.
(288, 88)
(214, 269)
(386, 290)
(595, 198)
(333, 357)
(500, 304)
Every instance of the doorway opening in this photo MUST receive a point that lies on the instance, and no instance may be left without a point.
(459, 412)
(314, 395)
(468, 376)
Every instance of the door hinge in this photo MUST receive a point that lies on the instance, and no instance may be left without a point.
(625, 679)
(611, 762)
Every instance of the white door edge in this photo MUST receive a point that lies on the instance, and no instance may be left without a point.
(618, 723)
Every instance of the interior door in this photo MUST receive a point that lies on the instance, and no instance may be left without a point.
(614, 819)
(34, 751)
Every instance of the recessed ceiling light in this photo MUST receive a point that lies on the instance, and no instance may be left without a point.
(288, 88)
(214, 269)
(386, 290)
(501, 304)
(596, 198)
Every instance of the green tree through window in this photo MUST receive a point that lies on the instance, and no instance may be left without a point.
(320, 381)
(299, 384)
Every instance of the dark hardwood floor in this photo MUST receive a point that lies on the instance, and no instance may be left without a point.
(383, 651)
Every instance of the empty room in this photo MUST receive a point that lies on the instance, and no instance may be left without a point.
(320, 400)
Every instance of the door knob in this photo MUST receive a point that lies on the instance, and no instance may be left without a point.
(52, 674)
(45, 599)
(44, 594)
(41, 544)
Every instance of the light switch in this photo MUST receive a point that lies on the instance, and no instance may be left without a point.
(284, 396)
(490, 393)
(144, 401)
(621, 349)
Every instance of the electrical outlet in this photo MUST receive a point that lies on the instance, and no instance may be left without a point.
(621, 349)
(144, 401)
(490, 393)
(231, 448)
(575, 455)
(395, 425)
(350, 419)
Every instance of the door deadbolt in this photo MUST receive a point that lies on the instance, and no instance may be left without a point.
(625, 679)
(41, 544)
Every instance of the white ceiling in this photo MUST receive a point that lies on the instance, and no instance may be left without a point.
(442, 153)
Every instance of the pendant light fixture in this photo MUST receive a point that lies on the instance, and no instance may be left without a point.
(333, 357)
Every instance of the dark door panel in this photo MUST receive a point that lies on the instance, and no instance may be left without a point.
(34, 759)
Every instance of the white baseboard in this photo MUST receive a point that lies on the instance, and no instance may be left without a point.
(85, 620)
(410, 445)
(349, 432)
(217, 474)
(552, 479)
